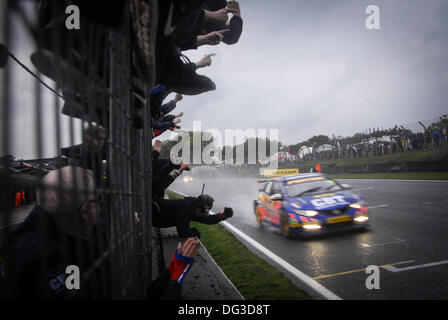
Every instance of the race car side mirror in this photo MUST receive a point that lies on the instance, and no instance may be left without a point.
(277, 197)
(346, 186)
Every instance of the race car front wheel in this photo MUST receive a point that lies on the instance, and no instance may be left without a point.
(285, 224)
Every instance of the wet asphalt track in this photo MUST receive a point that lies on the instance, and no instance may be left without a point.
(408, 229)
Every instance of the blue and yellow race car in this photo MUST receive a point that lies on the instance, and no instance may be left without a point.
(306, 204)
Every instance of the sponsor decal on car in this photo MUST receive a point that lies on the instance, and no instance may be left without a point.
(305, 180)
(279, 172)
(339, 219)
(328, 201)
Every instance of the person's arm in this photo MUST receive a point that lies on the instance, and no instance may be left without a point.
(161, 184)
(171, 105)
(167, 107)
(167, 168)
(213, 38)
(205, 61)
(164, 125)
(215, 218)
(169, 285)
(156, 288)
(209, 219)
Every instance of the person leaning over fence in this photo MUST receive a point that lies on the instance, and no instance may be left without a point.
(169, 213)
(59, 232)
(164, 172)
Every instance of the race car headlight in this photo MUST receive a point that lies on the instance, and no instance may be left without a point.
(356, 206)
(311, 226)
(308, 213)
(361, 218)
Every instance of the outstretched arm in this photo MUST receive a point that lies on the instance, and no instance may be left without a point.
(215, 218)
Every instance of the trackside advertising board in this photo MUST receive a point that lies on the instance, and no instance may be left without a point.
(278, 172)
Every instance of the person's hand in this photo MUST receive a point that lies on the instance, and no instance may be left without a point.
(184, 167)
(228, 212)
(179, 115)
(136, 217)
(234, 8)
(182, 259)
(219, 17)
(189, 248)
(177, 120)
(205, 61)
(158, 145)
(178, 97)
(212, 38)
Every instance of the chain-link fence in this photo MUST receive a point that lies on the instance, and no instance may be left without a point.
(70, 97)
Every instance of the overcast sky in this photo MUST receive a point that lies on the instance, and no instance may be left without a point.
(303, 67)
(312, 67)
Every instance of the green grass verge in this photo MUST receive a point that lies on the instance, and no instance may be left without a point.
(252, 276)
(394, 175)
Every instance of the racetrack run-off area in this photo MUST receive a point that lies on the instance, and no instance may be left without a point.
(407, 238)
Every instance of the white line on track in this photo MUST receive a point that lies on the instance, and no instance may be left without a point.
(380, 206)
(313, 284)
(397, 240)
(362, 188)
(395, 269)
(435, 202)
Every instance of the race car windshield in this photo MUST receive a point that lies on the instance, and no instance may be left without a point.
(302, 188)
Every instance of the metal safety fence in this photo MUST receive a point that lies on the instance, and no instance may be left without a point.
(70, 98)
